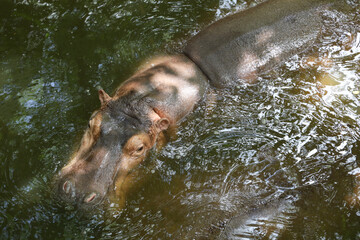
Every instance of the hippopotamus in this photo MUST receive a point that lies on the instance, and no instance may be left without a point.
(233, 50)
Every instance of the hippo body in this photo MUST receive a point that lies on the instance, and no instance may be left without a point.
(237, 47)
(170, 85)
(133, 120)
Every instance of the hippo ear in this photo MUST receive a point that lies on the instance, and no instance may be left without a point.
(104, 97)
(162, 124)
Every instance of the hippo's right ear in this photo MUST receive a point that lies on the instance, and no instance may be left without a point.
(104, 97)
(162, 124)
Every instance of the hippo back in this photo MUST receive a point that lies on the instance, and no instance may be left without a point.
(241, 45)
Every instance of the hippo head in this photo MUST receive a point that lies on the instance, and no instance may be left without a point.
(117, 140)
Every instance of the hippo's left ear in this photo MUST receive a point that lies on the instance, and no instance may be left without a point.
(104, 97)
(162, 124)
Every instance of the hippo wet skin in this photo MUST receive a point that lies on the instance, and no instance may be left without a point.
(132, 121)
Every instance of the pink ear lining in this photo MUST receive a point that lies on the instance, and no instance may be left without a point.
(163, 124)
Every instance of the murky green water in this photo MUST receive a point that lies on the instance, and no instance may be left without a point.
(271, 160)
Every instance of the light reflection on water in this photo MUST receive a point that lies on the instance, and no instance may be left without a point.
(268, 160)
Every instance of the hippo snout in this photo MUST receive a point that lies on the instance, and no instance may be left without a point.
(69, 192)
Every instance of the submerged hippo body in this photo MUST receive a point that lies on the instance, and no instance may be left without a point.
(235, 48)
(133, 120)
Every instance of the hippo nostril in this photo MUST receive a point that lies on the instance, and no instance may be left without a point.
(90, 197)
(67, 187)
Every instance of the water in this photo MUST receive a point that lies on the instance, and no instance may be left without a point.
(271, 160)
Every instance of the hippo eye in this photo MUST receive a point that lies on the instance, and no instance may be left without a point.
(140, 149)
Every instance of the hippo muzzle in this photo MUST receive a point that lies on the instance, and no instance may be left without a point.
(88, 180)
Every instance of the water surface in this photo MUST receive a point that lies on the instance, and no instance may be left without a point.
(272, 160)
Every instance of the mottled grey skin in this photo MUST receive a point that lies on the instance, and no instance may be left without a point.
(236, 48)
(156, 98)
